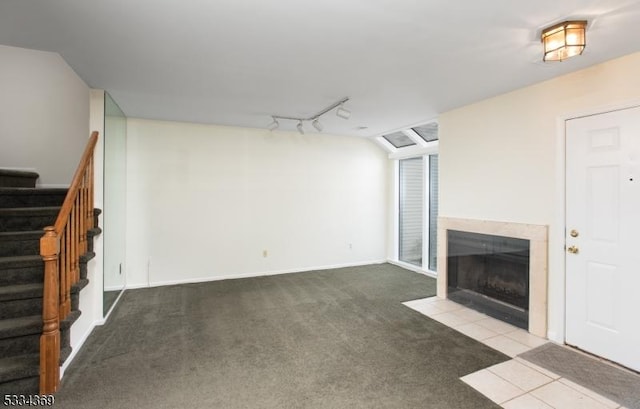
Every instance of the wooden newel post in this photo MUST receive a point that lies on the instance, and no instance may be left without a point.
(50, 338)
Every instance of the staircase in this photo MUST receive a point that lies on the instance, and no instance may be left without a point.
(24, 212)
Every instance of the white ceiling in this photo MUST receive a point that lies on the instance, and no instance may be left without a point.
(235, 62)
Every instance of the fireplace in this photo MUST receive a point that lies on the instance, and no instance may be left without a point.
(529, 296)
(490, 274)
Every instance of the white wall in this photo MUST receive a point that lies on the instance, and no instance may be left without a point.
(501, 159)
(204, 202)
(44, 114)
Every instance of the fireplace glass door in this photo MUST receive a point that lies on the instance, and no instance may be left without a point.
(489, 274)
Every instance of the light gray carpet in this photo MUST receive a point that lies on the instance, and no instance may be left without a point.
(617, 384)
(325, 339)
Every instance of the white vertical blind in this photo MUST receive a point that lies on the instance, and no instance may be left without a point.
(411, 206)
(433, 211)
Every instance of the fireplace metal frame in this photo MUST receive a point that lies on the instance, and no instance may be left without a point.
(538, 260)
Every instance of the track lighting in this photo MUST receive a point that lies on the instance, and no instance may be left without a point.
(314, 119)
(274, 125)
(343, 113)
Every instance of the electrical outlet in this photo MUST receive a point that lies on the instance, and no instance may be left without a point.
(264, 253)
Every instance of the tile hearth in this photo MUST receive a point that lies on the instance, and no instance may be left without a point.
(517, 383)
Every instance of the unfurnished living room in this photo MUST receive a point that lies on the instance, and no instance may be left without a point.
(320, 204)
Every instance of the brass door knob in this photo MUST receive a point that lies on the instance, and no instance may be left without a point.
(573, 250)
(574, 233)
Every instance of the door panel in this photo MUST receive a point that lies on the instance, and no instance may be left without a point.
(602, 203)
(601, 279)
(603, 235)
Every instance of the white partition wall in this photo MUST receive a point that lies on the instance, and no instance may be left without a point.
(209, 202)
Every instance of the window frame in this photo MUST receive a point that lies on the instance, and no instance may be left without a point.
(426, 203)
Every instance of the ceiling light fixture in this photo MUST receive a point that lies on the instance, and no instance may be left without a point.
(564, 40)
(314, 119)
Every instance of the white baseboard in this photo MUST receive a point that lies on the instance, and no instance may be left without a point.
(76, 348)
(136, 286)
(52, 186)
(325, 267)
(413, 268)
(553, 337)
(114, 288)
(250, 275)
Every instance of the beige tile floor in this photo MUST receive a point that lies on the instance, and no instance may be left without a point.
(514, 384)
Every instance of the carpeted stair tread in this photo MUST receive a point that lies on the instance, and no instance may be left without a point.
(86, 256)
(17, 243)
(29, 211)
(18, 178)
(31, 197)
(82, 283)
(21, 270)
(27, 218)
(16, 327)
(10, 235)
(20, 261)
(26, 190)
(18, 367)
(21, 291)
(70, 319)
(19, 211)
(32, 191)
(19, 173)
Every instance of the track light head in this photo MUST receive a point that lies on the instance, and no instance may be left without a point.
(300, 128)
(343, 113)
(273, 125)
(316, 124)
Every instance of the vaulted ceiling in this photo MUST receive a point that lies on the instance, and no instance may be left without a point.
(235, 62)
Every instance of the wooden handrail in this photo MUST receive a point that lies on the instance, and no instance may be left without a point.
(61, 248)
(67, 205)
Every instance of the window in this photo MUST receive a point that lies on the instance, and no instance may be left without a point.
(417, 223)
(414, 150)
(433, 212)
(428, 132)
(411, 206)
(399, 140)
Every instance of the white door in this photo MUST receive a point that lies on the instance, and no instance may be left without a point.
(603, 235)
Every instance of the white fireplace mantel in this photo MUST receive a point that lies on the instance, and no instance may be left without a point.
(538, 245)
